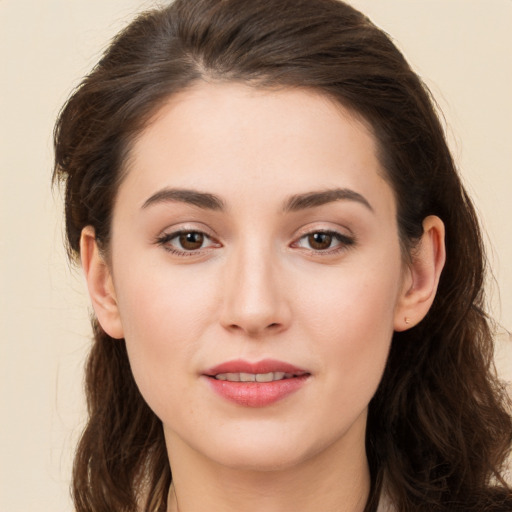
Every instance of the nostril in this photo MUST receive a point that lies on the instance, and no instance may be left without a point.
(254, 330)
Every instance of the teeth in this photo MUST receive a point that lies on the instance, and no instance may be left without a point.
(253, 377)
(267, 377)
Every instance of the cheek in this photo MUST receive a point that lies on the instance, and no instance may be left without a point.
(158, 300)
(349, 302)
(164, 316)
(351, 318)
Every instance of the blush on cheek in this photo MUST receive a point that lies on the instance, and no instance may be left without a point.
(355, 322)
(160, 341)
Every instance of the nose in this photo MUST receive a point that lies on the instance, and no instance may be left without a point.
(254, 299)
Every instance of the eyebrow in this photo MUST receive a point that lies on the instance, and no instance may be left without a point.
(295, 203)
(314, 199)
(193, 197)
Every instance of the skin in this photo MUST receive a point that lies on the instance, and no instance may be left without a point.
(258, 288)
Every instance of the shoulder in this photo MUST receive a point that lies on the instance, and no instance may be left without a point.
(498, 500)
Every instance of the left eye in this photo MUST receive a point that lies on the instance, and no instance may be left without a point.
(323, 240)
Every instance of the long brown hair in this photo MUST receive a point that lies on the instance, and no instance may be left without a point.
(439, 429)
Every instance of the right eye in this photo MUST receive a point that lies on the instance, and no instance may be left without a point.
(185, 241)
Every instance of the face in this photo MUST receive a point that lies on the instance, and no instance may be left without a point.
(255, 238)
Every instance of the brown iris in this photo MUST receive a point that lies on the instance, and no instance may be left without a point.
(191, 240)
(320, 241)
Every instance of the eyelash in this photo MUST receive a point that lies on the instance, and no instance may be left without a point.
(344, 242)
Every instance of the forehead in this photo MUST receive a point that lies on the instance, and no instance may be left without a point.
(232, 138)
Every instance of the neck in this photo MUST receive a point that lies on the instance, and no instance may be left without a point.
(334, 480)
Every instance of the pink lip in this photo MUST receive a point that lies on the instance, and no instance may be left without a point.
(264, 366)
(256, 394)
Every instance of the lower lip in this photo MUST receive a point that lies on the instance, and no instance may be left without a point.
(257, 394)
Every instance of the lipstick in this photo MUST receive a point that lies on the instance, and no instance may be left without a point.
(255, 384)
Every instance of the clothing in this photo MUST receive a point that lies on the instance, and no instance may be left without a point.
(385, 504)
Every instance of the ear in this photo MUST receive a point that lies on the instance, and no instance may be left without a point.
(421, 277)
(100, 284)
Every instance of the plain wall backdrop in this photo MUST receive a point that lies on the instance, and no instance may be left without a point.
(463, 50)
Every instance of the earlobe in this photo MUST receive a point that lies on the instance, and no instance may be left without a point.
(422, 276)
(100, 284)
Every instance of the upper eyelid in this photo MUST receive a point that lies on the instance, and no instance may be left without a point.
(171, 232)
(335, 234)
(170, 235)
(323, 227)
(187, 227)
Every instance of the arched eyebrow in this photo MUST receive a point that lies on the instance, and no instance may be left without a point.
(295, 203)
(314, 199)
(201, 199)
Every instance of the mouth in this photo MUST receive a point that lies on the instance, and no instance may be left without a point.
(256, 384)
(267, 370)
(254, 377)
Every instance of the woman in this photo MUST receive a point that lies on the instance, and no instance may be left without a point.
(285, 269)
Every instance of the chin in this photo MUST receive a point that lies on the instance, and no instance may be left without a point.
(262, 459)
(262, 450)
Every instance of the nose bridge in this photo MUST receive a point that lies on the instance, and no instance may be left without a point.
(254, 302)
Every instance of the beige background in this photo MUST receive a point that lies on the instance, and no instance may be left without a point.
(464, 47)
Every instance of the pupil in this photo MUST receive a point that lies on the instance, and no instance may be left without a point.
(320, 240)
(191, 241)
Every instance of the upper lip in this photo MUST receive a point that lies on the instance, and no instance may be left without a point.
(263, 366)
